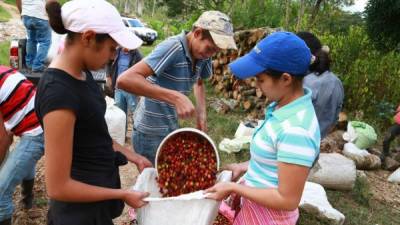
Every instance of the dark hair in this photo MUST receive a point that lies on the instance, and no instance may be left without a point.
(205, 34)
(298, 78)
(53, 9)
(322, 60)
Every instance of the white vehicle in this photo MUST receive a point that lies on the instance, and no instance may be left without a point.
(137, 27)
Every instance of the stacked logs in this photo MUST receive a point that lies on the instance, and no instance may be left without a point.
(243, 91)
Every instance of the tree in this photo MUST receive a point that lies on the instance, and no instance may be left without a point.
(300, 15)
(383, 18)
(287, 13)
(316, 6)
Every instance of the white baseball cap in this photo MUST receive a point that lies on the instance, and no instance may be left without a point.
(101, 17)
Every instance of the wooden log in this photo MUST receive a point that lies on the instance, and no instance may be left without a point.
(218, 71)
(259, 93)
(249, 92)
(225, 69)
(235, 94)
(253, 83)
(228, 94)
(247, 105)
(215, 64)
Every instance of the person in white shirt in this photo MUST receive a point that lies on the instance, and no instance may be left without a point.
(38, 30)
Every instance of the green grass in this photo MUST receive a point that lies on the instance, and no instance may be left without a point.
(221, 126)
(4, 53)
(4, 15)
(11, 2)
(41, 202)
(146, 49)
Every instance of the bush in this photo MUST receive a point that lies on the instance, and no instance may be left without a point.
(382, 23)
(4, 15)
(170, 27)
(370, 78)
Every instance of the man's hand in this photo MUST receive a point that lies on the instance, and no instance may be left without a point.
(184, 107)
(18, 3)
(6, 139)
(201, 123)
(201, 112)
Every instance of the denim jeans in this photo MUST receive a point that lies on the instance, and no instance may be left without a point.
(125, 101)
(146, 144)
(391, 134)
(38, 43)
(20, 165)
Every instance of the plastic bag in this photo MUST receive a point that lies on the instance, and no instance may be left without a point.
(395, 177)
(234, 145)
(361, 134)
(116, 121)
(188, 209)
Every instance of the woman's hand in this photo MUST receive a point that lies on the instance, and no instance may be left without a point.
(237, 169)
(135, 198)
(220, 191)
(142, 163)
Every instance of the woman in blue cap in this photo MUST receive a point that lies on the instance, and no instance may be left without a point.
(286, 144)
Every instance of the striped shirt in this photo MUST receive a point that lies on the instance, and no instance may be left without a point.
(172, 65)
(289, 134)
(17, 97)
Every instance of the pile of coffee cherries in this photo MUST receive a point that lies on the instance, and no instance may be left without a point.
(186, 163)
(221, 220)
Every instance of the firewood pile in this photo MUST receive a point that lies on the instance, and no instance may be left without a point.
(244, 92)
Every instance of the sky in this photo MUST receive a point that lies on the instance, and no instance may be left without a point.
(358, 6)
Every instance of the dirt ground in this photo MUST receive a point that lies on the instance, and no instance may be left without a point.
(14, 27)
(37, 215)
(382, 190)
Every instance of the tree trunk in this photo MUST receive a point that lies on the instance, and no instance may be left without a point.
(300, 15)
(139, 7)
(127, 7)
(154, 7)
(287, 14)
(314, 13)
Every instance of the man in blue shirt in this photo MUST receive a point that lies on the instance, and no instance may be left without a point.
(124, 59)
(167, 76)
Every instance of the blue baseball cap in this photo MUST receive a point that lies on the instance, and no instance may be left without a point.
(280, 51)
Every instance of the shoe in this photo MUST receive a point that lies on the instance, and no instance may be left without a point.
(27, 193)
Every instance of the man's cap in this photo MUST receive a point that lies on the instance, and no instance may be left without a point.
(220, 27)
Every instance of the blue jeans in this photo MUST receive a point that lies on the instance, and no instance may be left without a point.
(125, 100)
(38, 43)
(146, 144)
(20, 165)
